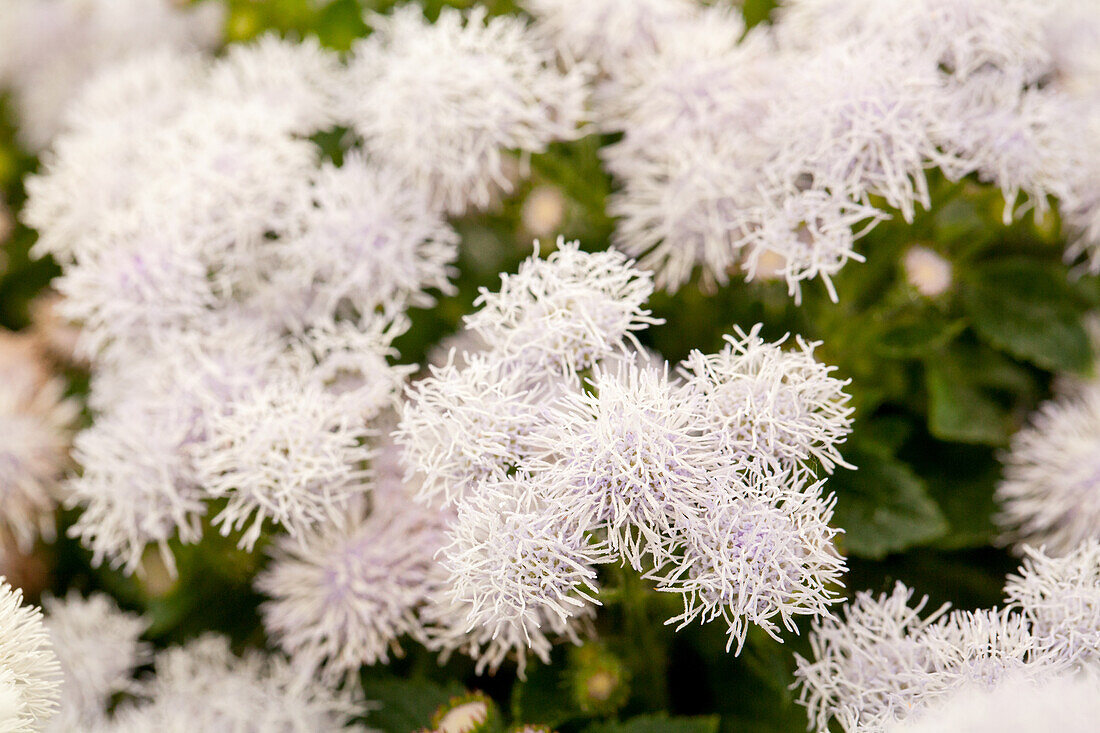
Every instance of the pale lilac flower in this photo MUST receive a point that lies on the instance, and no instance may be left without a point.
(563, 313)
(630, 460)
(50, 48)
(460, 425)
(30, 677)
(1061, 598)
(883, 664)
(764, 404)
(607, 33)
(204, 686)
(137, 485)
(1068, 703)
(441, 102)
(870, 667)
(36, 420)
(286, 451)
(363, 240)
(343, 594)
(292, 81)
(1050, 494)
(760, 554)
(99, 647)
(517, 577)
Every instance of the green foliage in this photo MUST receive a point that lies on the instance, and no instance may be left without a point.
(883, 506)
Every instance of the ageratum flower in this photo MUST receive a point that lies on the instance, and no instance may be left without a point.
(287, 451)
(517, 578)
(204, 686)
(564, 313)
(628, 459)
(344, 594)
(36, 421)
(30, 677)
(99, 647)
(1050, 494)
(870, 667)
(1069, 703)
(49, 49)
(461, 425)
(362, 241)
(441, 102)
(764, 404)
(1061, 597)
(760, 554)
(883, 664)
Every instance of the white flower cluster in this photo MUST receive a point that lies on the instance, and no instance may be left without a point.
(30, 677)
(239, 295)
(1068, 703)
(883, 662)
(50, 48)
(204, 686)
(99, 647)
(36, 421)
(768, 152)
(1050, 494)
(561, 445)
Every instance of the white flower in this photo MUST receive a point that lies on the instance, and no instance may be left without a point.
(36, 422)
(99, 647)
(516, 575)
(1061, 597)
(607, 33)
(563, 313)
(442, 102)
(286, 451)
(983, 647)
(30, 678)
(869, 668)
(883, 664)
(629, 460)
(767, 405)
(1050, 494)
(137, 485)
(135, 291)
(48, 50)
(293, 81)
(364, 241)
(1066, 703)
(343, 594)
(204, 686)
(757, 554)
(461, 425)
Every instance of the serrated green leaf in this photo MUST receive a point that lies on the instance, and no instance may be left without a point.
(405, 705)
(1028, 308)
(883, 506)
(658, 724)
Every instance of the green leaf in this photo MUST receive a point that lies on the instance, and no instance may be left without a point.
(883, 506)
(961, 411)
(658, 724)
(917, 335)
(962, 479)
(405, 705)
(1028, 308)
